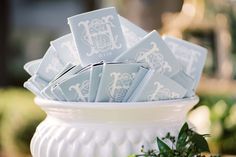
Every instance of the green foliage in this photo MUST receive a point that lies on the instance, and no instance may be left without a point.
(19, 117)
(24, 135)
(223, 125)
(1, 117)
(211, 100)
(188, 144)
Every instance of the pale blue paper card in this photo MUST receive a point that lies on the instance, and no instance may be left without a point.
(67, 73)
(76, 88)
(95, 77)
(132, 33)
(98, 35)
(50, 66)
(153, 51)
(56, 93)
(68, 67)
(66, 49)
(71, 71)
(47, 92)
(115, 82)
(156, 86)
(31, 87)
(186, 81)
(138, 78)
(38, 82)
(32, 66)
(191, 56)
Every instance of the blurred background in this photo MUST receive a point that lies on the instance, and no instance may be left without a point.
(27, 27)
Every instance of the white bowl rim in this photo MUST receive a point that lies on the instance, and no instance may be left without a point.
(45, 103)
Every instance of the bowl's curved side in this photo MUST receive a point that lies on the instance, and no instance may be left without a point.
(168, 111)
(64, 104)
(52, 140)
(105, 129)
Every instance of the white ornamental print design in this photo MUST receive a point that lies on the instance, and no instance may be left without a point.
(154, 59)
(188, 57)
(162, 93)
(99, 36)
(131, 37)
(82, 90)
(119, 85)
(71, 47)
(54, 67)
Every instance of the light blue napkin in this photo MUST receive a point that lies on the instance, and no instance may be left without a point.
(98, 35)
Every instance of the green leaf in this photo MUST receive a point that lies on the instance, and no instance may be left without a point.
(189, 143)
(200, 143)
(163, 148)
(183, 129)
(182, 137)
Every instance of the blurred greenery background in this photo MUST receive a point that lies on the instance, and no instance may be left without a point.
(28, 26)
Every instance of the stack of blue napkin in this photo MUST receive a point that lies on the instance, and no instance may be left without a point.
(107, 58)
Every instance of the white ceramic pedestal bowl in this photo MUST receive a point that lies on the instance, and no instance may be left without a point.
(79, 129)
